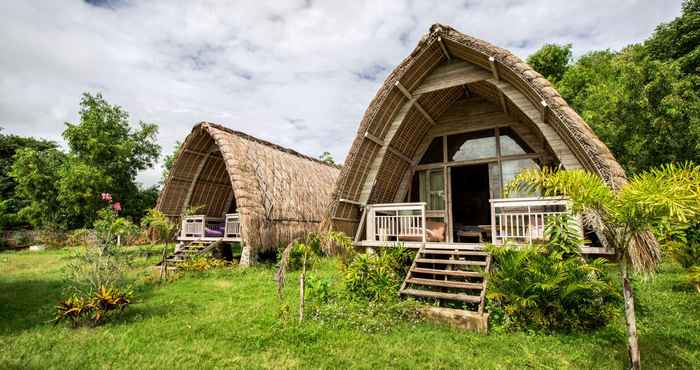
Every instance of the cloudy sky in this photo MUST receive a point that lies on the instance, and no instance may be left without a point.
(298, 73)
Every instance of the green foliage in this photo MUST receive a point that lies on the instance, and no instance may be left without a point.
(93, 310)
(201, 264)
(694, 276)
(80, 237)
(326, 157)
(11, 202)
(61, 190)
(551, 61)
(377, 277)
(36, 173)
(169, 160)
(157, 225)
(532, 289)
(664, 198)
(563, 235)
(679, 39)
(644, 107)
(319, 290)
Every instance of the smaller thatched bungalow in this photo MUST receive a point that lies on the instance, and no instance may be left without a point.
(228, 186)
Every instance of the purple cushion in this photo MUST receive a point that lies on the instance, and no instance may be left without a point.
(218, 231)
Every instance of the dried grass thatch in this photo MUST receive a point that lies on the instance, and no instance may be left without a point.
(280, 193)
(442, 45)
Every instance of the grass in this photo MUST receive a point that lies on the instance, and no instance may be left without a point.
(230, 319)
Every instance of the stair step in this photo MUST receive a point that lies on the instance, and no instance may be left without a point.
(440, 295)
(445, 283)
(454, 253)
(451, 262)
(446, 272)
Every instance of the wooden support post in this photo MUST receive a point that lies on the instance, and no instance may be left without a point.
(494, 68)
(502, 97)
(374, 139)
(444, 49)
(545, 107)
(400, 155)
(415, 103)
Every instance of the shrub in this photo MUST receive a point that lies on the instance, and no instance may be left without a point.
(81, 237)
(157, 226)
(378, 276)
(531, 289)
(93, 309)
(319, 291)
(694, 276)
(201, 264)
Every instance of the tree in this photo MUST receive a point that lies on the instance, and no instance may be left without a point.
(551, 61)
(679, 40)
(327, 157)
(10, 201)
(647, 111)
(105, 140)
(169, 160)
(665, 198)
(35, 173)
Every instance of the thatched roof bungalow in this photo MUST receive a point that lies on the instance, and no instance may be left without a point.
(450, 125)
(266, 194)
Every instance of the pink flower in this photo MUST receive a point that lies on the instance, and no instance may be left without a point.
(117, 206)
(107, 197)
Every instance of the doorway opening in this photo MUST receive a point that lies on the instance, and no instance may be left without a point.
(471, 210)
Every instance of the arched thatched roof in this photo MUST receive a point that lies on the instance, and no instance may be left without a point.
(279, 192)
(445, 65)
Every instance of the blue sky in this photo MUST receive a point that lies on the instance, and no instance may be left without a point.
(298, 73)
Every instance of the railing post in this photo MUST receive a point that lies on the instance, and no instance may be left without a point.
(371, 234)
(493, 222)
(425, 225)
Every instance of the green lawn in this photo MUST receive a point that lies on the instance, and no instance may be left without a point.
(229, 319)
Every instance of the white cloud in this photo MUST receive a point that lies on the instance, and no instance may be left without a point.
(298, 73)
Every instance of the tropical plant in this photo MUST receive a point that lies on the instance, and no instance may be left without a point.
(93, 309)
(623, 219)
(200, 264)
(377, 277)
(158, 226)
(538, 288)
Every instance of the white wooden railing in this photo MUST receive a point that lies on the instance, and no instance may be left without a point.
(233, 225)
(522, 220)
(194, 226)
(396, 221)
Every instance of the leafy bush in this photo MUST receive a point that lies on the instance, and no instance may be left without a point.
(81, 237)
(694, 276)
(319, 291)
(201, 264)
(378, 276)
(531, 289)
(22, 238)
(157, 225)
(93, 309)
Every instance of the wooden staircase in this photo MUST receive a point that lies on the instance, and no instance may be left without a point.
(192, 249)
(449, 276)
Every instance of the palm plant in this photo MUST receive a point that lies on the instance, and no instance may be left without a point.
(665, 198)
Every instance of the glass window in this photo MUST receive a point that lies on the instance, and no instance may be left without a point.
(512, 169)
(471, 145)
(432, 188)
(495, 180)
(512, 144)
(434, 152)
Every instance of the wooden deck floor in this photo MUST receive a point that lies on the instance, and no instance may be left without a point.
(461, 246)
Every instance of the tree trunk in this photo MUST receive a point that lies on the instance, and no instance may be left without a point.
(301, 289)
(630, 318)
(246, 256)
